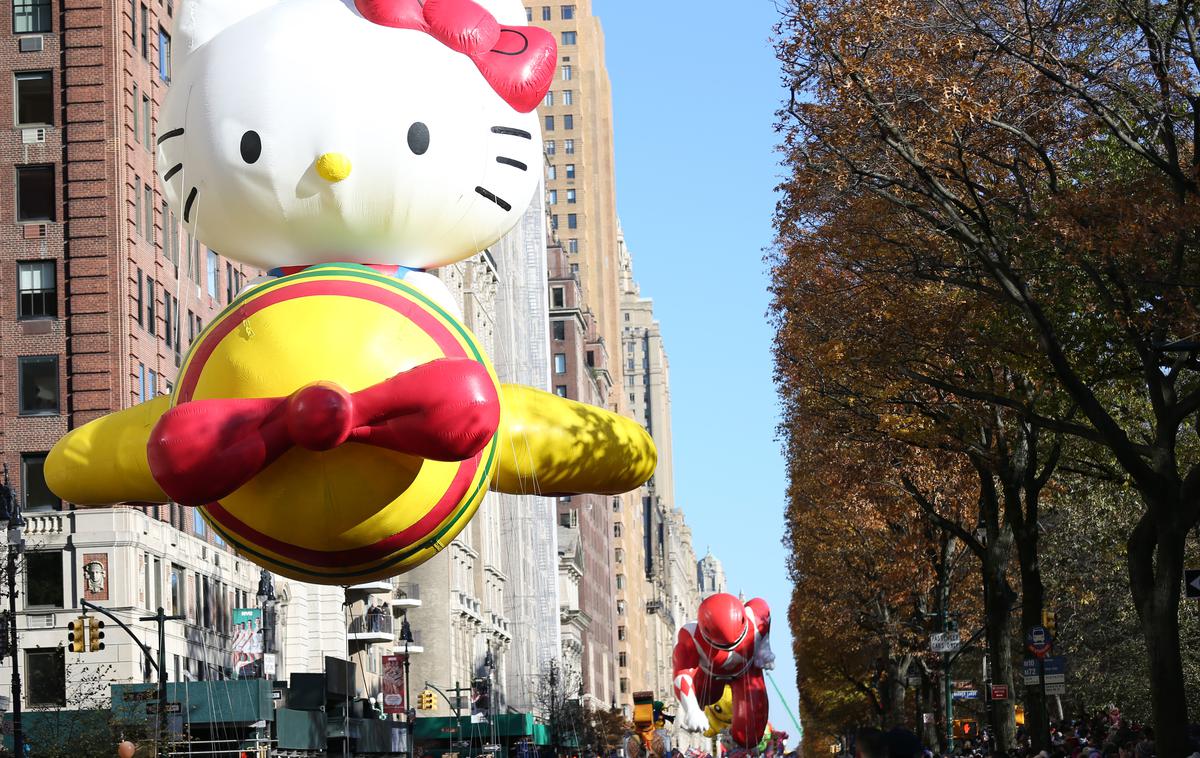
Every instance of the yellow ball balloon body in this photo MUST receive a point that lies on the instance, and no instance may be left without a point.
(355, 513)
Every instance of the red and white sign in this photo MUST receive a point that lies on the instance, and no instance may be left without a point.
(393, 684)
(999, 692)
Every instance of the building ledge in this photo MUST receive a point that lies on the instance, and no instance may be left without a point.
(371, 638)
(405, 603)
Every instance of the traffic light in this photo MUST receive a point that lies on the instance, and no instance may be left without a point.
(95, 635)
(76, 642)
(970, 730)
(5, 634)
(426, 701)
(1050, 623)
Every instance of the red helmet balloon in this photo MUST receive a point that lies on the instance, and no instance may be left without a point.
(722, 621)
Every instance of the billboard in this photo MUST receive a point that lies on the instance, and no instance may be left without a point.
(247, 648)
(393, 684)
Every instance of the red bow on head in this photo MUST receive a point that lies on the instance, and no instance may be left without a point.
(518, 61)
(204, 450)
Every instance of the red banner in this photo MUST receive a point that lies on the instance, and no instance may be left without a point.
(393, 684)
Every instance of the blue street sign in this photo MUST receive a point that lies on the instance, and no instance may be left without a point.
(1055, 669)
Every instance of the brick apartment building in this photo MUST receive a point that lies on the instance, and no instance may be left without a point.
(579, 371)
(107, 288)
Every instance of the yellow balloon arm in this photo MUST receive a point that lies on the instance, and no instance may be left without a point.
(549, 445)
(104, 462)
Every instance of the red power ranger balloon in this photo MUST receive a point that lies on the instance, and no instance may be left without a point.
(729, 644)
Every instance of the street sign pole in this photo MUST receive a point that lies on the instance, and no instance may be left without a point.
(1042, 683)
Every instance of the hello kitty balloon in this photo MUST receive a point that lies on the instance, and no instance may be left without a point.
(338, 422)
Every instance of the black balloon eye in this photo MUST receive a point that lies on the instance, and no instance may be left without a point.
(418, 138)
(251, 147)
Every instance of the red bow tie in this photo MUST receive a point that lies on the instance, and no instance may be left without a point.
(518, 61)
(204, 450)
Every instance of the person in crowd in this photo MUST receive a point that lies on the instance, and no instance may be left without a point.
(870, 743)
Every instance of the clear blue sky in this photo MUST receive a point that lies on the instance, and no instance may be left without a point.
(695, 90)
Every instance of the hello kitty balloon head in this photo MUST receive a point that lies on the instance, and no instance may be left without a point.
(298, 132)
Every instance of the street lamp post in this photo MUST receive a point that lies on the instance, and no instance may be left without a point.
(266, 601)
(410, 713)
(10, 511)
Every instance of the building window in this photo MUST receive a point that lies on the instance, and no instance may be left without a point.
(621, 586)
(568, 38)
(573, 246)
(35, 102)
(591, 359)
(617, 531)
(31, 16)
(568, 12)
(35, 193)
(554, 222)
(137, 119)
(151, 384)
(214, 274)
(44, 579)
(568, 122)
(37, 380)
(36, 495)
(560, 363)
(164, 55)
(549, 123)
(570, 197)
(145, 32)
(137, 206)
(147, 126)
(568, 97)
(558, 297)
(552, 197)
(560, 390)
(572, 221)
(621, 607)
(622, 635)
(559, 329)
(151, 306)
(545, 12)
(569, 519)
(46, 677)
(198, 525)
(619, 554)
(548, 100)
(37, 289)
(549, 147)
(551, 172)
(569, 146)
(566, 73)
(140, 279)
(570, 170)
(148, 205)
(167, 336)
(529, 15)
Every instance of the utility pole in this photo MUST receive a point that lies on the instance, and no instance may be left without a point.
(161, 618)
(10, 511)
(410, 713)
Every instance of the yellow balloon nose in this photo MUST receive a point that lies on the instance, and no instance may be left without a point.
(333, 167)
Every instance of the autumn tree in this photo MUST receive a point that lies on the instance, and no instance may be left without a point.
(1046, 153)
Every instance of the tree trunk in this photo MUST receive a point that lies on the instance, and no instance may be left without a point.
(998, 624)
(1037, 722)
(1156, 554)
(929, 704)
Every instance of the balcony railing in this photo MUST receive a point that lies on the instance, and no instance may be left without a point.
(372, 627)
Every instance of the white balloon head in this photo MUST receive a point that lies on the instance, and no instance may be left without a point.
(298, 132)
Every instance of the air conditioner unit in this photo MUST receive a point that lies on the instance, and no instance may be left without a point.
(33, 136)
(31, 44)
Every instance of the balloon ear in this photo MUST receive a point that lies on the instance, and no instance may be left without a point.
(198, 21)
